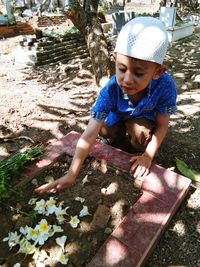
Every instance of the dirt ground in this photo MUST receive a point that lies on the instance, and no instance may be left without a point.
(108, 197)
(36, 109)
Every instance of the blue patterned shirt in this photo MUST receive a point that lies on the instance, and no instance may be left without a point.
(113, 106)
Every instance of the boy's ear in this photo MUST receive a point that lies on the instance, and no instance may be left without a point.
(113, 57)
(159, 71)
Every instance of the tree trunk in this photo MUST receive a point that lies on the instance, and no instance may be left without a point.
(88, 24)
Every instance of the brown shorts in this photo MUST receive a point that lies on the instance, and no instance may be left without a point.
(136, 132)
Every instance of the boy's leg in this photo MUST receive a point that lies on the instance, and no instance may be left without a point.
(140, 132)
(114, 134)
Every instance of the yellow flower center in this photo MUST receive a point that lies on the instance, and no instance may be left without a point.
(33, 232)
(43, 227)
(51, 203)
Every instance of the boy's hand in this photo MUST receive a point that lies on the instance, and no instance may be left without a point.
(55, 186)
(141, 165)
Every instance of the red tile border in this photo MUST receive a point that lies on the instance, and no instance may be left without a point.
(133, 240)
(113, 253)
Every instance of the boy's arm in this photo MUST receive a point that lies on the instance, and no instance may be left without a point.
(83, 146)
(142, 163)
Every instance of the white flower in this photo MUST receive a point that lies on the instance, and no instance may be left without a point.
(29, 232)
(34, 182)
(40, 206)
(61, 241)
(61, 219)
(44, 230)
(29, 248)
(17, 264)
(84, 212)
(81, 199)
(40, 255)
(40, 264)
(60, 212)
(55, 229)
(41, 239)
(74, 221)
(32, 201)
(49, 179)
(50, 206)
(43, 227)
(23, 230)
(85, 180)
(12, 238)
(62, 258)
(26, 247)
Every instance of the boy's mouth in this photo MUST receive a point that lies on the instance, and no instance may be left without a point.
(129, 91)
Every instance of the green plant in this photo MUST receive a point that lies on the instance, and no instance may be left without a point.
(12, 165)
(32, 215)
(186, 171)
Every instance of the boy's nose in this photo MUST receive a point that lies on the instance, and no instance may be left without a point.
(128, 79)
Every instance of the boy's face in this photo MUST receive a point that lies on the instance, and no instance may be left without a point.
(134, 75)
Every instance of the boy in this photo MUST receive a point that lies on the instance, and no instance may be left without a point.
(137, 101)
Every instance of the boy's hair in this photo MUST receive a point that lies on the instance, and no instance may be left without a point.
(143, 38)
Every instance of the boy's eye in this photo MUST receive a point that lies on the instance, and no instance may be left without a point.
(139, 74)
(122, 69)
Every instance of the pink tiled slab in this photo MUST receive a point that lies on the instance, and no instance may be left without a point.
(163, 191)
(113, 253)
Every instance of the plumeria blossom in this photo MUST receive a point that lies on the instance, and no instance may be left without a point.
(50, 206)
(34, 182)
(26, 247)
(60, 219)
(41, 239)
(17, 264)
(63, 258)
(12, 239)
(49, 179)
(55, 229)
(84, 211)
(61, 241)
(40, 264)
(24, 230)
(32, 234)
(60, 213)
(43, 227)
(85, 180)
(74, 221)
(40, 256)
(32, 201)
(40, 206)
(81, 199)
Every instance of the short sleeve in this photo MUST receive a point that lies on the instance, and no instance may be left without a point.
(104, 103)
(167, 100)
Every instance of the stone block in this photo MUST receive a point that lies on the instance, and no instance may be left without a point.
(120, 19)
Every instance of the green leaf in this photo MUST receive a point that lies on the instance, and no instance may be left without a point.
(12, 166)
(186, 171)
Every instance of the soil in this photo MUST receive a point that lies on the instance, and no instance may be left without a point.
(108, 194)
(36, 109)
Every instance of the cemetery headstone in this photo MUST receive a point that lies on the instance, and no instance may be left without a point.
(120, 19)
(168, 16)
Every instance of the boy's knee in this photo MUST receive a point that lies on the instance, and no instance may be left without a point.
(140, 132)
(115, 133)
(139, 140)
